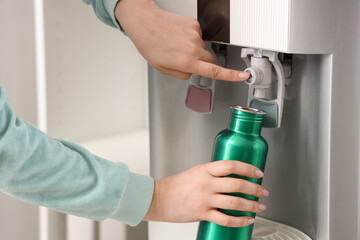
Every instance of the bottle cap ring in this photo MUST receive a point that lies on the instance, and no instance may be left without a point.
(248, 109)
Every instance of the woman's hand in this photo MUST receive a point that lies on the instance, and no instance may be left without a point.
(171, 43)
(196, 194)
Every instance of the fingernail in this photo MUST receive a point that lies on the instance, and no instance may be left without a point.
(265, 192)
(244, 75)
(259, 173)
(262, 207)
(251, 220)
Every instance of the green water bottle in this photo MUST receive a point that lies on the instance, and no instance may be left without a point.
(240, 141)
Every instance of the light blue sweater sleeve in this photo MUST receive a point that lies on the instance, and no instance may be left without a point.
(104, 10)
(66, 177)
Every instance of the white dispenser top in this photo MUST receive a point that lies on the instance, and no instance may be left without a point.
(290, 26)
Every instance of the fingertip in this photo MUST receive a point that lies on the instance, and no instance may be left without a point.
(258, 173)
(251, 221)
(243, 76)
(265, 193)
(262, 207)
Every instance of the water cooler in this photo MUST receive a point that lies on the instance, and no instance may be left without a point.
(311, 50)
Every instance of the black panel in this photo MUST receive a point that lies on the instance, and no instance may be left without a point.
(214, 18)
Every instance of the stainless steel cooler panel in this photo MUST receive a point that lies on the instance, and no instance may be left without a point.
(297, 165)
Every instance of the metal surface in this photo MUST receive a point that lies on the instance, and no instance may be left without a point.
(240, 141)
(297, 173)
(180, 138)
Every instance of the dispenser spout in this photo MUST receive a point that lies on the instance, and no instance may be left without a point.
(200, 90)
(260, 95)
(261, 73)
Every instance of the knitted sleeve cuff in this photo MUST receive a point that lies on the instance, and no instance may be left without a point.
(135, 200)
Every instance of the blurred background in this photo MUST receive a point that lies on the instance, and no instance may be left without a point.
(81, 93)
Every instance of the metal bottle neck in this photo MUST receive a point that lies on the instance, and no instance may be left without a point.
(245, 122)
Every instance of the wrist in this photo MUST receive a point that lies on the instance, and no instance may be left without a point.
(152, 213)
(125, 8)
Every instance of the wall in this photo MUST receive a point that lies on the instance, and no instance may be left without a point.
(18, 220)
(96, 80)
(96, 87)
